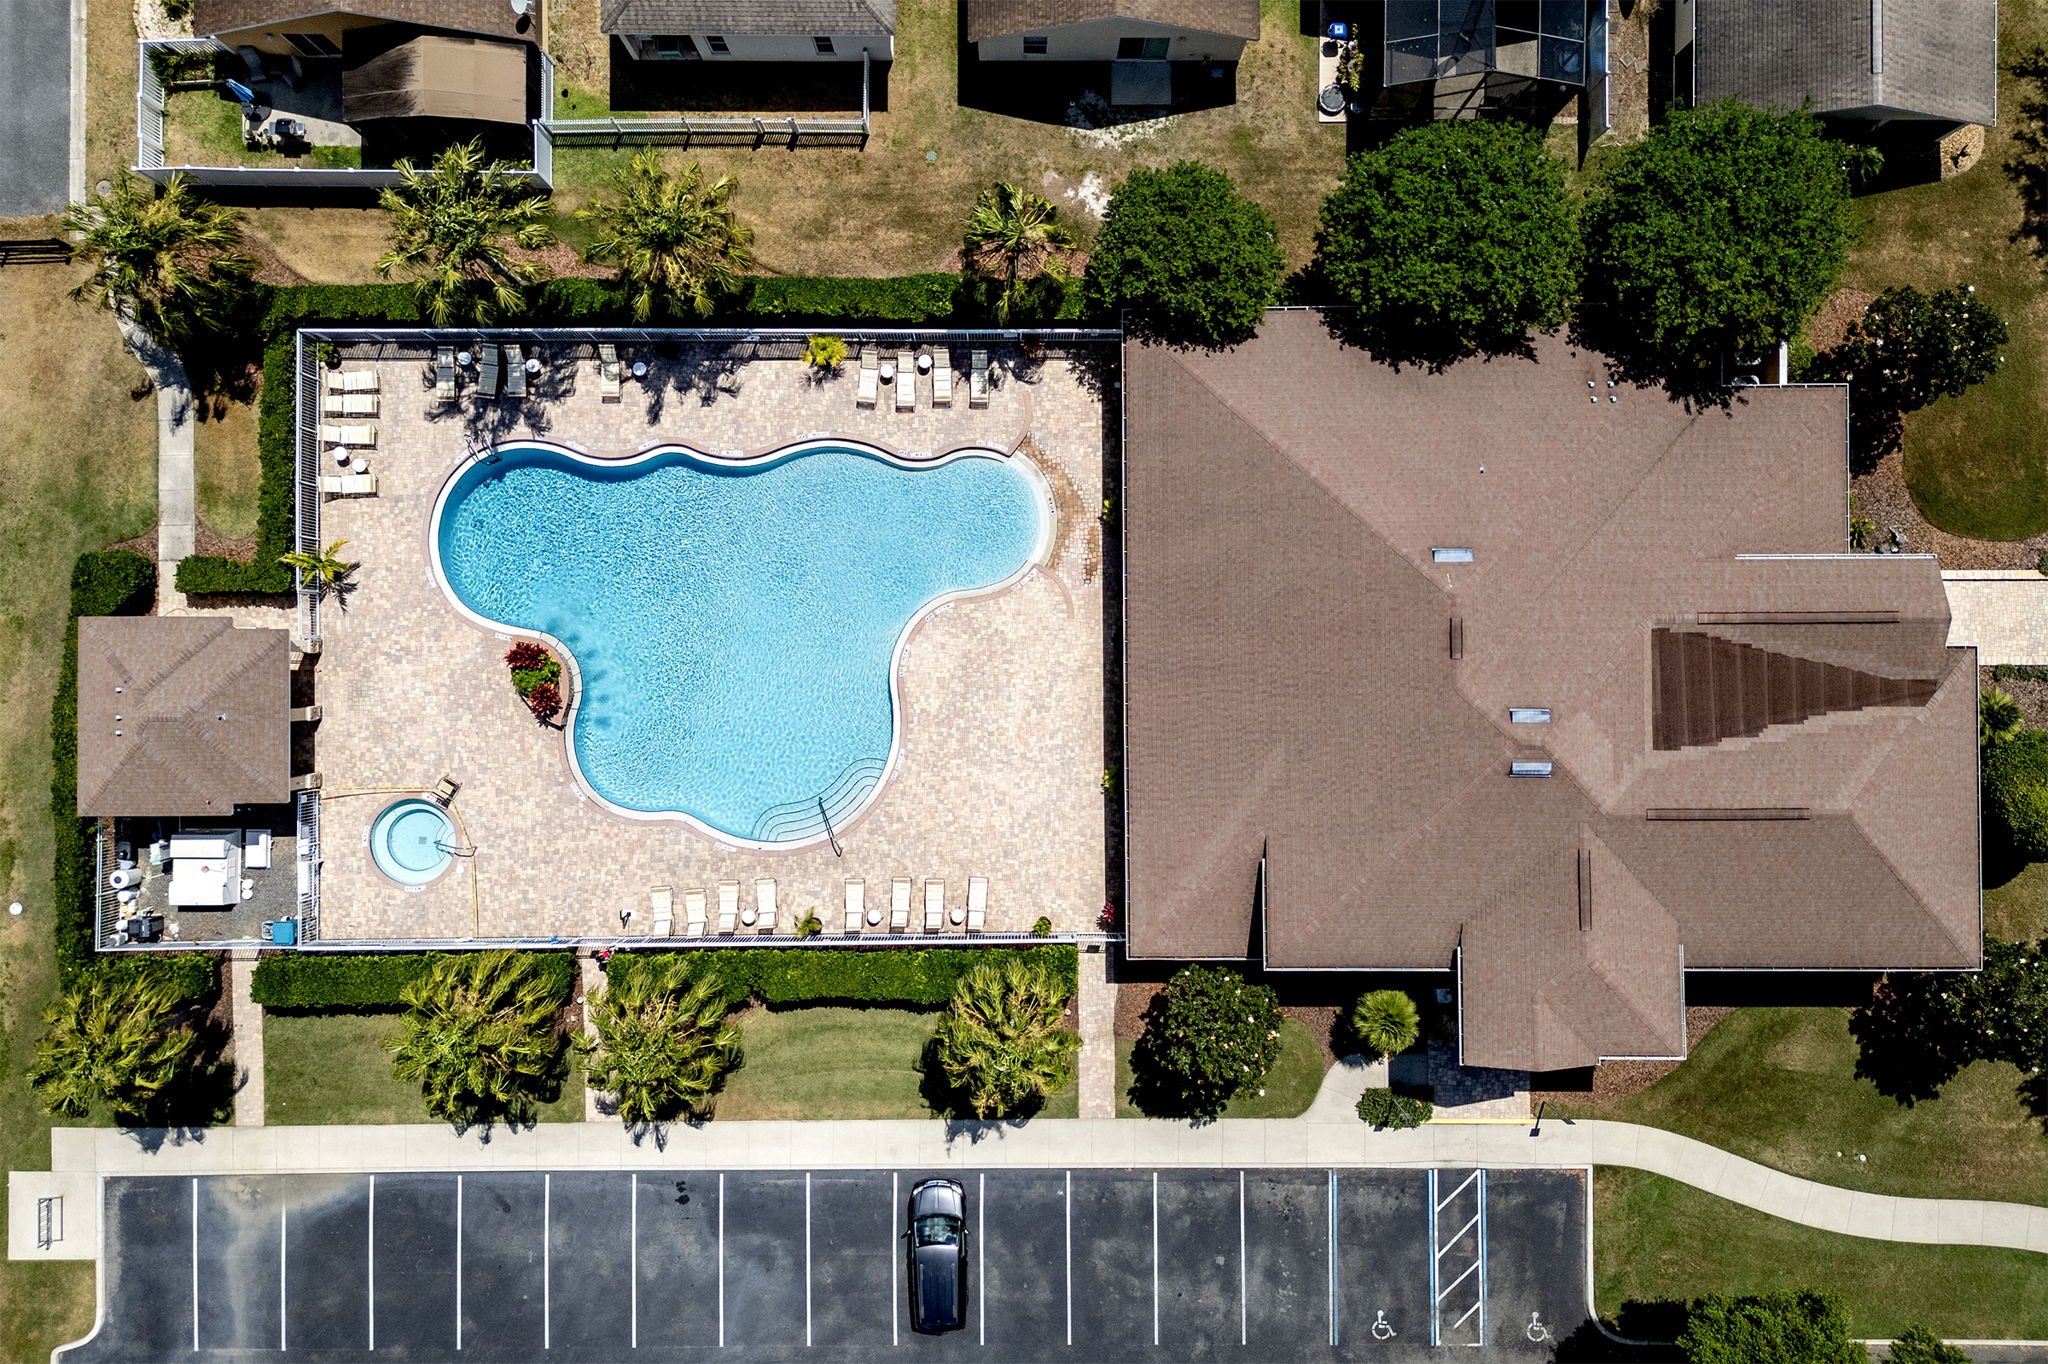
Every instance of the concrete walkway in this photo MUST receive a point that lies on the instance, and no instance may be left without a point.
(177, 498)
(2004, 612)
(1097, 1006)
(247, 1020)
(1053, 1143)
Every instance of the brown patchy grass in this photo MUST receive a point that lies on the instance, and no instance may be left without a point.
(227, 469)
(110, 66)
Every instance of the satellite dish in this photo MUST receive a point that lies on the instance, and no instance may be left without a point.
(522, 8)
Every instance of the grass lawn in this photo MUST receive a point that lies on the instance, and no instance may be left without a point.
(1779, 1087)
(1973, 463)
(332, 1068)
(1655, 1238)
(80, 457)
(1289, 1088)
(831, 1062)
(2018, 910)
(227, 469)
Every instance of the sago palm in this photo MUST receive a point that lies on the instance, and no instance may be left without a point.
(450, 225)
(662, 1040)
(675, 239)
(168, 260)
(1386, 1021)
(479, 1036)
(320, 565)
(1014, 243)
(1002, 1040)
(113, 1042)
(1998, 716)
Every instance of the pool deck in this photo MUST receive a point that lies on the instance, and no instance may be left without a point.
(1002, 756)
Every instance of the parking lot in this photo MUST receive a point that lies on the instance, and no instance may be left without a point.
(1269, 1264)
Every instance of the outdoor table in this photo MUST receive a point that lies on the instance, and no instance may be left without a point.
(888, 372)
(748, 916)
(639, 369)
(359, 465)
(342, 456)
(463, 357)
(533, 366)
(924, 364)
(874, 916)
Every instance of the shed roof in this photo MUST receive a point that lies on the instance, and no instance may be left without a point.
(494, 18)
(994, 18)
(436, 75)
(1933, 59)
(829, 17)
(181, 715)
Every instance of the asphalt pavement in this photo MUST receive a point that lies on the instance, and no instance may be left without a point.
(35, 106)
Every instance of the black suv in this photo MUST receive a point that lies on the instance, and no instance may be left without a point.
(938, 1256)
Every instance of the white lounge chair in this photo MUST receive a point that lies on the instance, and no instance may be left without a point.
(255, 849)
(764, 904)
(977, 378)
(906, 381)
(365, 436)
(351, 381)
(934, 906)
(609, 383)
(899, 903)
(487, 372)
(693, 912)
(349, 405)
(515, 372)
(728, 906)
(662, 899)
(942, 378)
(444, 374)
(856, 905)
(349, 485)
(870, 377)
(977, 903)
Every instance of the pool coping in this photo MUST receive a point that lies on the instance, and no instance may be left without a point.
(1047, 538)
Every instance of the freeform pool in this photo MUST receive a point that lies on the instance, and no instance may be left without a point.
(410, 841)
(734, 626)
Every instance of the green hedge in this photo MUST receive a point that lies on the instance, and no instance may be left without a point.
(922, 978)
(933, 297)
(328, 981)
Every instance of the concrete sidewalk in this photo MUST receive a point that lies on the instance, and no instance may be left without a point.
(1053, 1143)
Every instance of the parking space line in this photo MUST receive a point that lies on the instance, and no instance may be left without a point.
(721, 1259)
(1333, 1256)
(458, 1262)
(895, 1259)
(633, 1269)
(1482, 1259)
(1070, 1257)
(981, 1239)
(1468, 1312)
(547, 1300)
(807, 1259)
(1241, 1293)
(1455, 1192)
(1459, 1234)
(282, 1213)
(1436, 1258)
(370, 1294)
(1155, 1257)
(1469, 1272)
(195, 1263)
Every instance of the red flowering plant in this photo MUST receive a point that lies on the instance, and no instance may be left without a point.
(525, 654)
(544, 701)
(533, 668)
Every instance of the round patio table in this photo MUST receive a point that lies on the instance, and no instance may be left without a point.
(533, 366)
(359, 465)
(639, 369)
(463, 357)
(874, 917)
(748, 915)
(342, 457)
(888, 373)
(924, 364)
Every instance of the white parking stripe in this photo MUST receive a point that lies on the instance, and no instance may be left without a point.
(458, 1262)
(807, 1259)
(1436, 1259)
(1070, 1257)
(1333, 1256)
(370, 1297)
(1459, 1235)
(1470, 1270)
(981, 1239)
(547, 1297)
(721, 1259)
(895, 1259)
(1455, 1192)
(633, 1269)
(1241, 1272)
(1155, 1257)
(281, 1215)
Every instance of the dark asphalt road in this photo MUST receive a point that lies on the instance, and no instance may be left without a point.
(35, 106)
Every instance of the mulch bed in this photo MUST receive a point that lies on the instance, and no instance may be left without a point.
(207, 540)
(1830, 326)
(2032, 695)
(1882, 496)
(1617, 1080)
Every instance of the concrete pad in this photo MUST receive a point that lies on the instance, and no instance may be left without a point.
(1871, 1216)
(1957, 1222)
(1829, 1208)
(74, 1214)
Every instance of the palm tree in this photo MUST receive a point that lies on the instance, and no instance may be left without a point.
(1014, 241)
(675, 239)
(1386, 1021)
(1002, 1040)
(662, 1040)
(320, 565)
(171, 261)
(115, 1041)
(449, 229)
(479, 1036)
(1998, 717)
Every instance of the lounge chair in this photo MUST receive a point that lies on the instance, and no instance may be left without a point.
(977, 378)
(942, 378)
(662, 899)
(610, 386)
(728, 906)
(693, 912)
(515, 372)
(856, 905)
(351, 381)
(365, 436)
(349, 485)
(899, 904)
(256, 849)
(764, 904)
(445, 789)
(870, 377)
(349, 405)
(444, 374)
(934, 906)
(487, 372)
(977, 903)
(906, 381)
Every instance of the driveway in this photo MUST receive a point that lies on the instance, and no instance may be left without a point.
(1268, 1265)
(35, 110)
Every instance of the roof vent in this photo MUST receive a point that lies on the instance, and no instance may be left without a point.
(1529, 769)
(1528, 715)
(1442, 555)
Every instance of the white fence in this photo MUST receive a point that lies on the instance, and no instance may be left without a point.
(684, 132)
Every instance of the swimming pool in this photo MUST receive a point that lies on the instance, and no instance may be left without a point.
(734, 625)
(412, 841)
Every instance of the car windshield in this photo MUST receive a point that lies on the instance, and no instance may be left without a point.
(937, 1230)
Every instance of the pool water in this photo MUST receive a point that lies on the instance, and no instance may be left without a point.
(410, 841)
(734, 627)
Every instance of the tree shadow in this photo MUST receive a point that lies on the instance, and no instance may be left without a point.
(1699, 384)
(2028, 168)
(1910, 1039)
(1656, 1321)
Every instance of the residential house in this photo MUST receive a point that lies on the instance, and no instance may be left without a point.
(753, 30)
(1112, 30)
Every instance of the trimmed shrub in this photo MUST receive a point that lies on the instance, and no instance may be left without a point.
(1792, 1326)
(2016, 790)
(370, 981)
(1386, 1021)
(1211, 1035)
(920, 978)
(1384, 1109)
(931, 297)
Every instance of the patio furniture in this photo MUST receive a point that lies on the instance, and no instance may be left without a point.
(256, 849)
(924, 361)
(305, 781)
(856, 904)
(207, 882)
(728, 906)
(487, 375)
(693, 912)
(201, 847)
(349, 405)
(445, 789)
(444, 374)
(364, 436)
(248, 888)
(350, 485)
(899, 904)
(942, 378)
(906, 382)
(662, 900)
(934, 906)
(764, 903)
(977, 378)
(515, 373)
(609, 385)
(864, 394)
(639, 369)
(123, 878)
(359, 465)
(342, 456)
(351, 381)
(977, 903)
(305, 715)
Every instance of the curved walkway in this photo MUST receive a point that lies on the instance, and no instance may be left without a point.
(1045, 1143)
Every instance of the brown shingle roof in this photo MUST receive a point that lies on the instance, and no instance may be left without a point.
(827, 17)
(202, 712)
(1936, 59)
(1291, 689)
(994, 18)
(493, 18)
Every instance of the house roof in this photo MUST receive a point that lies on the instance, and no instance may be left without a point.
(994, 18)
(830, 17)
(181, 715)
(1305, 684)
(1933, 58)
(492, 18)
(436, 75)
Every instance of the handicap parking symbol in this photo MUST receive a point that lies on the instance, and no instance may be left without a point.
(1537, 1331)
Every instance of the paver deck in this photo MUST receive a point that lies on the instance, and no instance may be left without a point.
(2004, 612)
